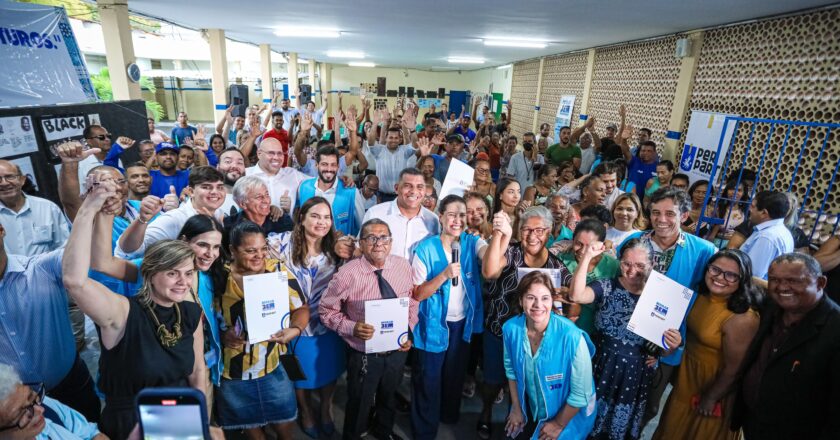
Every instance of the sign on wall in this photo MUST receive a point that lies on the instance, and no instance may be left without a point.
(701, 143)
(59, 129)
(17, 136)
(564, 115)
(42, 63)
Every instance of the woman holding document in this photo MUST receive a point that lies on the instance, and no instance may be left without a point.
(308, 253)
(447, 275)
(255, 390)
(720, 327)
(623, 364)
(549, 368)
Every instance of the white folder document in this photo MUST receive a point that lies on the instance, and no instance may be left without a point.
(266, 304)
(389, 318)
(661, 306)
(459, 178)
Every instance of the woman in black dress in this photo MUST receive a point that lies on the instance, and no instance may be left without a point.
(150, 340)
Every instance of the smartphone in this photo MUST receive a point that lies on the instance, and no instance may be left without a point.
(172, 413)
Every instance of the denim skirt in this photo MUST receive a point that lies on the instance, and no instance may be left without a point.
(245, 404)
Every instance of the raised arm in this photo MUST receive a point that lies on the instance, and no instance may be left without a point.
(102, 256)
(494, 258)
(302, 139)
(474, 115)
(623, 135)
(250, 141)
(828, 254)
(224, 124)
(71, 153)
(132, 238)
(107, 309)
(579, 292)
(596, 140)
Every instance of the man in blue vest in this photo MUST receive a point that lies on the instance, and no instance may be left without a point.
(348, 206)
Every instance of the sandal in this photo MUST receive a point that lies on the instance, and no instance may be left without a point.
(484, 431)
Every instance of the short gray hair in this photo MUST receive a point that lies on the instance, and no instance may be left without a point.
(812, 266)
(9, 381)
(537, 211)
(245, 185)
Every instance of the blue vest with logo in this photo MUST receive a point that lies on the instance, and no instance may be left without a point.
(343, 206)
(431, 333)
(553, 368)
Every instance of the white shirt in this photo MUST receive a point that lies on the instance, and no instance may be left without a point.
(617, 237)
(455, 310)
(317, 118)
(610, 199)
(329, 194)
(288, 115)
(39, 227)
(287, 179)
(229, 205)
(406, 232)
(165, 227)
(369, 203)
(587, 158)
(548, 139)
(390, 163)
(85, 166)
(522, 170)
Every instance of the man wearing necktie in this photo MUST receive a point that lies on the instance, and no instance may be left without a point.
(370, 377)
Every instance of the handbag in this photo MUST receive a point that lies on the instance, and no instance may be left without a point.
(291, 363)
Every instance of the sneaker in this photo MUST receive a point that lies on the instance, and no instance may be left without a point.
(500, 397)
(469, 389)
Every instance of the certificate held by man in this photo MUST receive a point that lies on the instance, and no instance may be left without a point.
(661, 306)
(389, 318)
(266, 304)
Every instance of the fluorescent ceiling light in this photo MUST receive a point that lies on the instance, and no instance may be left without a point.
(307, 33)
(506, 66)
(361, 64)
(516, 43)
(344, 54)
(460, 60)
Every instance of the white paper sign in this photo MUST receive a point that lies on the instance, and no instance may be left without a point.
(17, 136)
(661, 306)
(63, 127)
(556, 275)
(563, 118)
(459, 178)
(266, 305)
(389, 318)
(701, 143)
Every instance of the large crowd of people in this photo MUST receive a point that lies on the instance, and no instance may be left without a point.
(156, 253)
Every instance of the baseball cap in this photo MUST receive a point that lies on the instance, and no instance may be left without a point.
(165, 146)
(455, 138)
(613, 126)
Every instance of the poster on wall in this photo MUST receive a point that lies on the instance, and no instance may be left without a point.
(701, 143)
(42, 61)
(26, 168)
(427, 103)
(17, 136)
(59, 129)
(564, 114)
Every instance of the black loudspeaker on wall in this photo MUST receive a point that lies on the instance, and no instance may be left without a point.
(421, 94)
(402, 90)
(411, 92)
(380, 86)
(305, 94)
(239, 94)
(441, 93)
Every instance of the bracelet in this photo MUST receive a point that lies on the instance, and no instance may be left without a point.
(140, 219)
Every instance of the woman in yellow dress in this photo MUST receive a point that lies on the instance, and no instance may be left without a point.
(720, 326)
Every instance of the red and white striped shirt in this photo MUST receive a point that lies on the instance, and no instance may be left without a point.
(343, 303)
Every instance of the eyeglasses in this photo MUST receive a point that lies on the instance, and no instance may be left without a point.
(28, 412)
(730, 277)
(373, 240)
(482, 170)
(638, 266)
(11, 178)
(529, 231)
(101, 137)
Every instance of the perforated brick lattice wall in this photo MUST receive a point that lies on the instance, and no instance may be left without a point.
(643, 76)
(786, 68)
(562, 75)
(523, 94)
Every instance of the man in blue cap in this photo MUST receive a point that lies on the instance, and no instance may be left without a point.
(168, 177)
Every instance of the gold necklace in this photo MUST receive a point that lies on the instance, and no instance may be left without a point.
(167, 338)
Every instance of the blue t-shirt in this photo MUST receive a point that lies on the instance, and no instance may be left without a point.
(160, 183)
(469, 135)
(639, 173)
(179, 133)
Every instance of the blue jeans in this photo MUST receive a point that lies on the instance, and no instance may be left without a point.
(437, 383)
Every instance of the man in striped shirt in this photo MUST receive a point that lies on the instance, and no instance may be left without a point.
(376, 274)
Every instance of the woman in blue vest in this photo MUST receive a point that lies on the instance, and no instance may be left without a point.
(625, 364)
(549, 368)
(204, 235)
(308, 253)
(450, 312)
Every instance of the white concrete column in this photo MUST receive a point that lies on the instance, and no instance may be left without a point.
(539, 92)
(265, 73)
(587, 87)
(218, 71)
(293, 76)
(312, 77)
(119, 50)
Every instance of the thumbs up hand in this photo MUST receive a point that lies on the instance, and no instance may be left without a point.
(74, 151)
(170, 201)
(286, 202)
